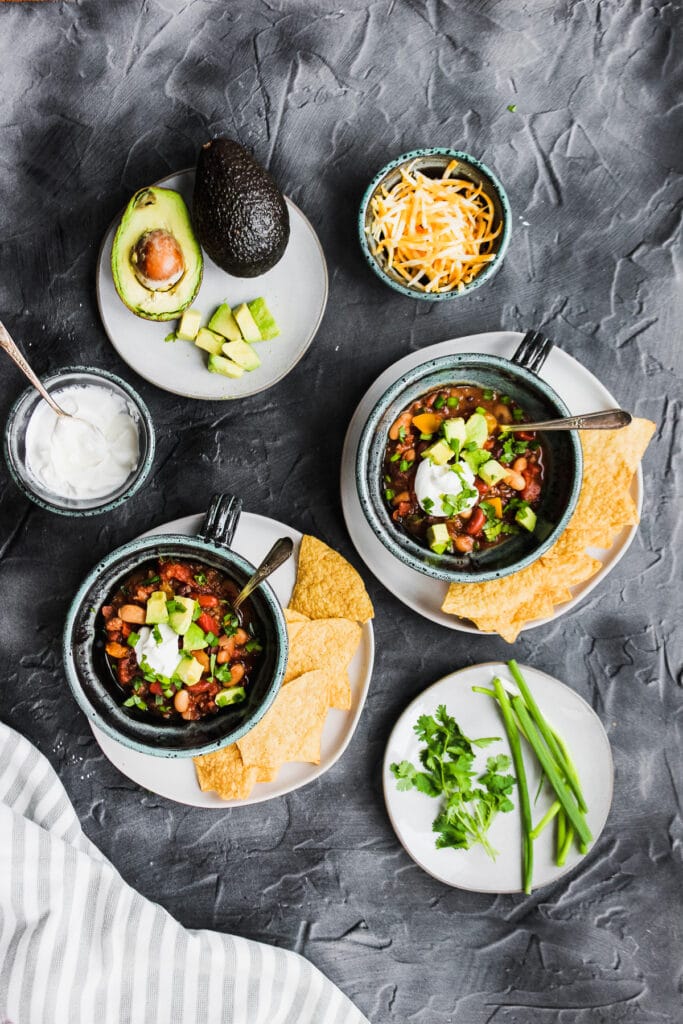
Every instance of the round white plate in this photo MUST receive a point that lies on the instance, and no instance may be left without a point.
(581, 391)
(175, 778)
(295, 290)
(412, 813)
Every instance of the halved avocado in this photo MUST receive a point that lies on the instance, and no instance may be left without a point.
(156, 261)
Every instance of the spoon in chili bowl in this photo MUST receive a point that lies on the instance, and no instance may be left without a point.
(609, 419)
(278, 554)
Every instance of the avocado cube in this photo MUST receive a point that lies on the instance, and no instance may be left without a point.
(209, 341)
(454, 429)
(189, 670)
(438, 538)
(180, 618)
(156, 608)
(219, 364)
(492, 472)
(223, 322)
(439, 453)
(476, 429)
(195, 638)
(230, 695)
(242, 354)
(264, 319)
(526, 517)
(247, 324)
(189, 325)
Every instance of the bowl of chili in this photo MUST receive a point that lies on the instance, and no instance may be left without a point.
(446, 489)
(156, 657)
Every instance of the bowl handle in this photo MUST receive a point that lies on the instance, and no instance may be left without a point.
(220, 521)
(532, 351)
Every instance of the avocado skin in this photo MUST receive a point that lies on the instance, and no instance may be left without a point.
(240, 215)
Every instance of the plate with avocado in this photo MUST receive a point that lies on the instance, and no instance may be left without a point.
(188, 325)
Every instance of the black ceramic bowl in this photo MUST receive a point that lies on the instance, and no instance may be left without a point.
(563, 460)
(101, 698)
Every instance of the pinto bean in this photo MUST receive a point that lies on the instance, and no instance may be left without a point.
(181, 701)
(241, 637)
(519, 465)
(132, 613)
(463, 544)
(202, 658)
(404, 420)
(236, 673)
(516, 481)
(224, 655)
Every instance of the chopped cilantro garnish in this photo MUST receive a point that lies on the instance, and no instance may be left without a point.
(230, 624)
(452, 402)
(389, 494)
(197, 611)
(454, 503)
(253, 647)
(170, 337)
(505, 399)
(223, 674)
(211, 639)
(476, 458)
(200, 578)
(156, 633)
(518, 415)
(512, 107)
(427, 504)
(511, 449)
(401, 433)
(488, 394)
(153, 579)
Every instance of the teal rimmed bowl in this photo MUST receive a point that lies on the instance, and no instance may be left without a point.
(15, 442)
(563, 467)
(433, 163)
(98, 693)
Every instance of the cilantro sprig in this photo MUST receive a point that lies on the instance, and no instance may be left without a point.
(470, 801)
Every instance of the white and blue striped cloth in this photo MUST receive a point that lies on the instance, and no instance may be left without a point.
(79, 946)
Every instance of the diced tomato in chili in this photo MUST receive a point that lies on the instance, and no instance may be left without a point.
(207, 601)
(156, 689)
(208, 623)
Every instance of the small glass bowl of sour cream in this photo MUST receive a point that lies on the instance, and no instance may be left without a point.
(58, 465)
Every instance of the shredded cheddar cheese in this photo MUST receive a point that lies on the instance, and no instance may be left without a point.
(435, 234)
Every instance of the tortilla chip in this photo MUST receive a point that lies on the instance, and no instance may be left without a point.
(327, 586)
(505, 606)
(322, 643)
(292, 617)
(282, 733)
(225, 772)
(266, 774)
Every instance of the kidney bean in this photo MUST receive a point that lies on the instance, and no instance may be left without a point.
(476, 522)
(480, 485)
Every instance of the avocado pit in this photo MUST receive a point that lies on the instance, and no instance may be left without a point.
(158, 260)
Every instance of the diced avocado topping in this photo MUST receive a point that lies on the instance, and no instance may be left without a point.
(247, 324)
(189, 671)
(189, 325)
(263, 319)
(491, 472)
(526, 517)
(476, 429)
(230, 695)
(454, 429)
(219, 364)
(156, 608)
(438, 538)
(439, 453)
(242, 354)
(223, 322)
(181, 611)
(209, 341)
(195, 638)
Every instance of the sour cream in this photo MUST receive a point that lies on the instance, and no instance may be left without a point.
(69, 458)
(433, 483)
(163, 658)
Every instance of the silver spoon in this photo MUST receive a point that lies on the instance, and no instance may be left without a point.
(8, 345)
(279, 553)
(610, 419)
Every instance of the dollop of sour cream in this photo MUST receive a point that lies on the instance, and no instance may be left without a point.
(434, 484)
(72, 460)
(162, 655)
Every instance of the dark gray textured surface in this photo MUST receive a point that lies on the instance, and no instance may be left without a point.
(101, 98)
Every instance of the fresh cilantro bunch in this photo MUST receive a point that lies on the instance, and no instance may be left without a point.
(470, 801)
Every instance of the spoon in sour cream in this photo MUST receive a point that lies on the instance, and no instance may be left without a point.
(85, 434)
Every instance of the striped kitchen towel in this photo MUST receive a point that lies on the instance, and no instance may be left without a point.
(79, 946)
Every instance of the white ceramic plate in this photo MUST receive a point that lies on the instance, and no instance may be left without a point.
(412, 813)
(295, 290)
(581, 391)
(175, 778)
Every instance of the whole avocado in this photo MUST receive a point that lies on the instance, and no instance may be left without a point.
(240, 215)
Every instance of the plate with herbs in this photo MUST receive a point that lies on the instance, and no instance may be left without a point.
(498, 778)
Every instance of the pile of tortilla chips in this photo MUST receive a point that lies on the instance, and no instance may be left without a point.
(328, 604)
(604, 508)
